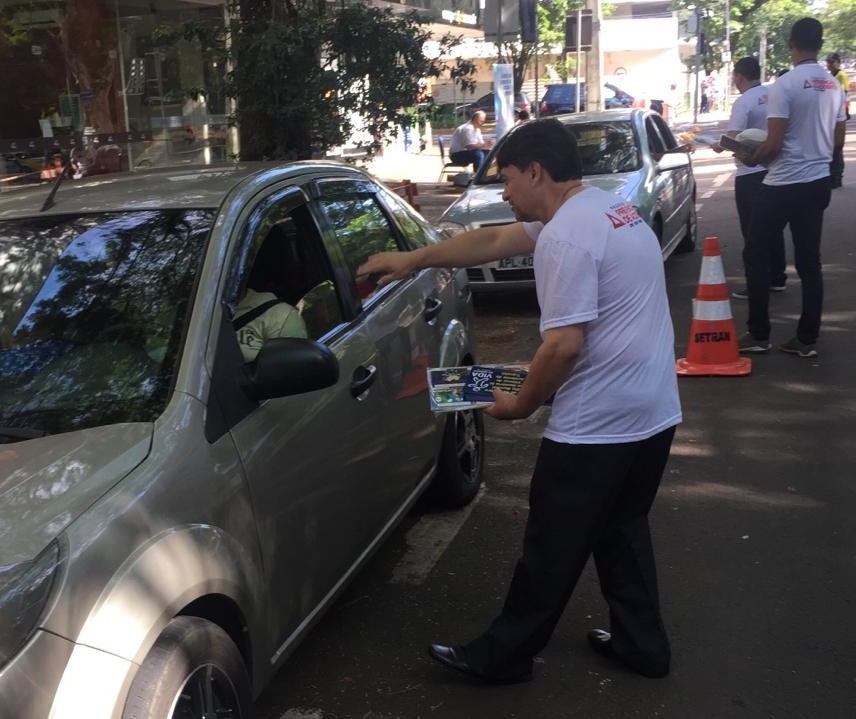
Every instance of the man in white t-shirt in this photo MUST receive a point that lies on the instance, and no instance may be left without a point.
(467, 144)
(750, 111)
(805, 122)
(607, 359)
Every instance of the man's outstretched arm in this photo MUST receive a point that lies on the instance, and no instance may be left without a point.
(464, 250)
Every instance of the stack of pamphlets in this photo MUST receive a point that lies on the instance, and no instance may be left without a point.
(455, 388)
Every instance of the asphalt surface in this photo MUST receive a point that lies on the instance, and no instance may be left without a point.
(754, 530)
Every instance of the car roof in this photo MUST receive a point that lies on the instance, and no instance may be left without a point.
(185, 187)
(618, 114)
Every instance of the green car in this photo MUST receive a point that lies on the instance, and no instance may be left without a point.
(630, 152)
(173, 517)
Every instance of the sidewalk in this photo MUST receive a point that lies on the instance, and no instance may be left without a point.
(396, 165)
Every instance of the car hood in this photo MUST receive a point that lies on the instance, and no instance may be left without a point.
(483, 204)
(46, 483)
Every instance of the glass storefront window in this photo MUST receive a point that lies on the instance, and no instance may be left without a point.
(109, 66)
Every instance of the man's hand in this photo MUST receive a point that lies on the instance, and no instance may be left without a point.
(386, 267)
(505, 406)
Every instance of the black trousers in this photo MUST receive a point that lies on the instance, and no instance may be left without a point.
(584, 500)
(746, 189)
(801, 207)
(836, 167)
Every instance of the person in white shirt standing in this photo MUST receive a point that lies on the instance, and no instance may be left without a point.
(467, 144)
(805, 122)
(750, 111)
(607, 359)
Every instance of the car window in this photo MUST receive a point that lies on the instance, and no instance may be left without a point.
(360, 226)
(286, 287)
(656, 145)
(91, 334)
(605, 148)
(417, 231)
(667, 138)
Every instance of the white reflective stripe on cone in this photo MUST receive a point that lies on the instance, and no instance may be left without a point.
(711, 310)
(711, 271)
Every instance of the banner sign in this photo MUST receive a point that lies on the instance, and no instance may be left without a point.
(503, 83)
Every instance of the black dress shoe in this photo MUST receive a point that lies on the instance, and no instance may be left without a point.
(601, 641)
(454, 658)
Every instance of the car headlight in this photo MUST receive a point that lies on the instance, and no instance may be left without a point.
(24, 592)
(451, 229)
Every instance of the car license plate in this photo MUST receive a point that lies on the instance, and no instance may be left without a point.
(516, 262)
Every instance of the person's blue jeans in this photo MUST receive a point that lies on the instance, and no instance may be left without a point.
(465, 157)
(799, 206)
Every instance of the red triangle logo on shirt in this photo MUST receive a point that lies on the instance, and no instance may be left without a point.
(806, 84)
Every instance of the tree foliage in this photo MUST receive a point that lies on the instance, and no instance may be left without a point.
(839, 27)
(308, 75)
(750, 22)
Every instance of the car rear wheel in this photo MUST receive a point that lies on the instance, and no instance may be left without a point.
(194, 671)
(688, 243)
(461, 462)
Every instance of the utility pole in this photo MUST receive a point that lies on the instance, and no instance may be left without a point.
(699, 48)
(762, 53)
(594, 59)
(727, 55)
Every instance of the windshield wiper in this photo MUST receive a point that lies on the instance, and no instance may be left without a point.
(16, 434)
(49, 200)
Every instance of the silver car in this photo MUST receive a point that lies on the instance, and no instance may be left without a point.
(173, 519)
(630, 152)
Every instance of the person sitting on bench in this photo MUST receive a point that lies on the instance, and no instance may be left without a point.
(467, 144)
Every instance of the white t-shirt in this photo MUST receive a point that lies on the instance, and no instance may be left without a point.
(749, 110)
(597, 263)
(279, 320)
(466, 134)
(812, 102)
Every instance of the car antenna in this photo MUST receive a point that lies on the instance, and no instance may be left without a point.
(49, 200)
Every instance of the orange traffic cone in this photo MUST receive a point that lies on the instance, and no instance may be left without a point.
(712, 346)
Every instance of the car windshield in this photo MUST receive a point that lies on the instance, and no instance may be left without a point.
(92, 309)
(605, 148)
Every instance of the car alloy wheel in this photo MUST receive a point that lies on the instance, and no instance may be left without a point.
(461, 461)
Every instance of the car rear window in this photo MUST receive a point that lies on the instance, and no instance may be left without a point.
(92, 312)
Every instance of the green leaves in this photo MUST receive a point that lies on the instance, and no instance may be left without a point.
(309, 74)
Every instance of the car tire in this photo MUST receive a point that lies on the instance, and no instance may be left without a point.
(193, 669)
(461, 462)
(688, 242)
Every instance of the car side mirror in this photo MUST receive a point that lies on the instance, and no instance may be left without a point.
(287, 366)
(673, 161)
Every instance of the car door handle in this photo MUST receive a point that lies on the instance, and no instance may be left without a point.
(432, 308)
(364, 378)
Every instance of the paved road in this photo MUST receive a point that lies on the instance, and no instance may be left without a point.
(754, 527)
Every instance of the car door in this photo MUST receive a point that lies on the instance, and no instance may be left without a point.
(662, 181)
(311, 460)
(403, 320)
(681, 179)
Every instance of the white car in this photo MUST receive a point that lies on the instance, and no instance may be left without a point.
(631, 152)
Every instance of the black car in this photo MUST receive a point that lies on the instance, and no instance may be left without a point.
(561, 98)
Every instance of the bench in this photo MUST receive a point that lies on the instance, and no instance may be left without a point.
(441, 142)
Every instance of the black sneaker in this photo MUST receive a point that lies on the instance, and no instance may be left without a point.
(795, 347)
(747, 344)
